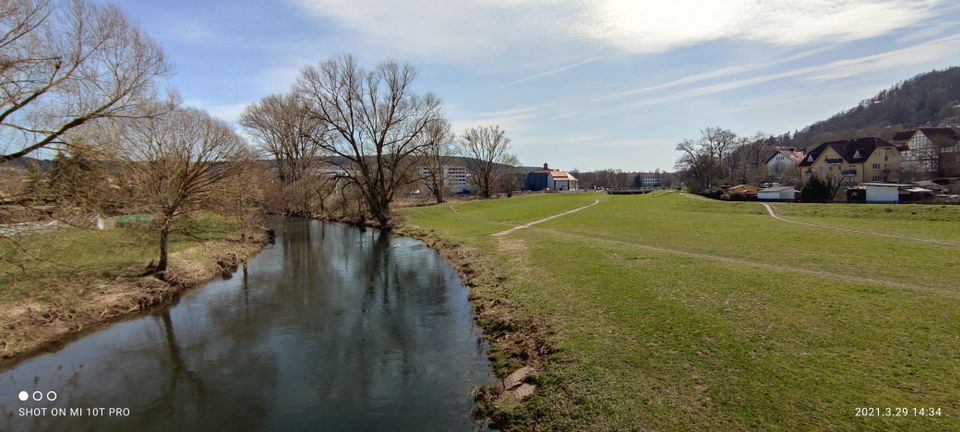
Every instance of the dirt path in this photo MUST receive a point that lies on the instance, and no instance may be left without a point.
(821, 274)
(539, 221)
(772, 211)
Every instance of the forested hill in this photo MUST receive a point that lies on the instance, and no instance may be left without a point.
(929, 99)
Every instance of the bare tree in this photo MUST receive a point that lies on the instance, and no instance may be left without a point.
(705, 161)
(697, 166)
(374, 121)
(64, 63)
(179, 163)
(286, 132)
(485, 149)
(719, 143)
(435, 156)
(511, 175)
(746, 162)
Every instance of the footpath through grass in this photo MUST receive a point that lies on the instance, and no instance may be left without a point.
(679, 313)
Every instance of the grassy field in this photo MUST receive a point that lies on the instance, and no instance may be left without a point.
(673, 312)
(76, 254)
(57, 282)
(938, 221)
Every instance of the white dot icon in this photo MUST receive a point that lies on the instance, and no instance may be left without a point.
(23, 396)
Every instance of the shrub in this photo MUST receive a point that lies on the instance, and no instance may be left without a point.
(818, 190)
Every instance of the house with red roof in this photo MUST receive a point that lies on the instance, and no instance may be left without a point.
(550, 179)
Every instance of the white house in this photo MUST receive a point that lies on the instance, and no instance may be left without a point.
(783, 160)
(883, 192)
(777, 193)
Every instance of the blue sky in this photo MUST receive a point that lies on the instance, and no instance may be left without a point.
(585, 84)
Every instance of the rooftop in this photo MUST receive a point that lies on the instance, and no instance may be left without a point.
(777, 189)
(854, 150)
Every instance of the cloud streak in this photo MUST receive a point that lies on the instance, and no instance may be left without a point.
(925, 52)
(719, 73)
(512, 120)
(551, 72)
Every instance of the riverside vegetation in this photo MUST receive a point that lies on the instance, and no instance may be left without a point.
(78, 278)
(674, 312)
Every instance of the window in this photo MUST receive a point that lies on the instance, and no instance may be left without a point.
(876, 167)
(876, 178)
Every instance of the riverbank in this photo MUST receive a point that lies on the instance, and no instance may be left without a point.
(519, 339)
(668, 313)
(77, 280)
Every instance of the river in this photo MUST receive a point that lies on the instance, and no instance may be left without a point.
(331, 328)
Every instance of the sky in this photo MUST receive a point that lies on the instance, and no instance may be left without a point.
(585, 84)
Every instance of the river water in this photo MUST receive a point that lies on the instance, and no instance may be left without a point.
(332, 328)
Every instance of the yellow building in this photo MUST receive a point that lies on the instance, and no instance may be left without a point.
(855, 161)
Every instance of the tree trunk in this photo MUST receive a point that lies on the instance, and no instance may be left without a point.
(164, 239)
(382, 214)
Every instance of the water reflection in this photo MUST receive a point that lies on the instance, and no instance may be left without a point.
(329, 329)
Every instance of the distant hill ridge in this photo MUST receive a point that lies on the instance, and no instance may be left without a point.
(931, 99)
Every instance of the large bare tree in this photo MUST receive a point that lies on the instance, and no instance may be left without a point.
(485, 149)
(705, 161)
(435, 157)
(286, 132)
(178, 163)
(375, 121)
(65, 63)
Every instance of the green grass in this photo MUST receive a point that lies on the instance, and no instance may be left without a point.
(477, 219)
(680, 313)
(937, 221)
(71, 254)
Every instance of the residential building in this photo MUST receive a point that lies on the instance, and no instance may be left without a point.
(648, 180)
(456, 178)
(854, 161)
(930, 152)
(546, 178)
(783, 161)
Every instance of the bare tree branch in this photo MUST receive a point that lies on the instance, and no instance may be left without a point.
(65, 63)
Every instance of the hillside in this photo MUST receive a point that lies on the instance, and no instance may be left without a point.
(929, 99)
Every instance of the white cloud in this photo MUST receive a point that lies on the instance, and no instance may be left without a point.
(472, 31)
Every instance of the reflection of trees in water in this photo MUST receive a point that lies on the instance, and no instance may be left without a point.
(404, 324)
(331, 320)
